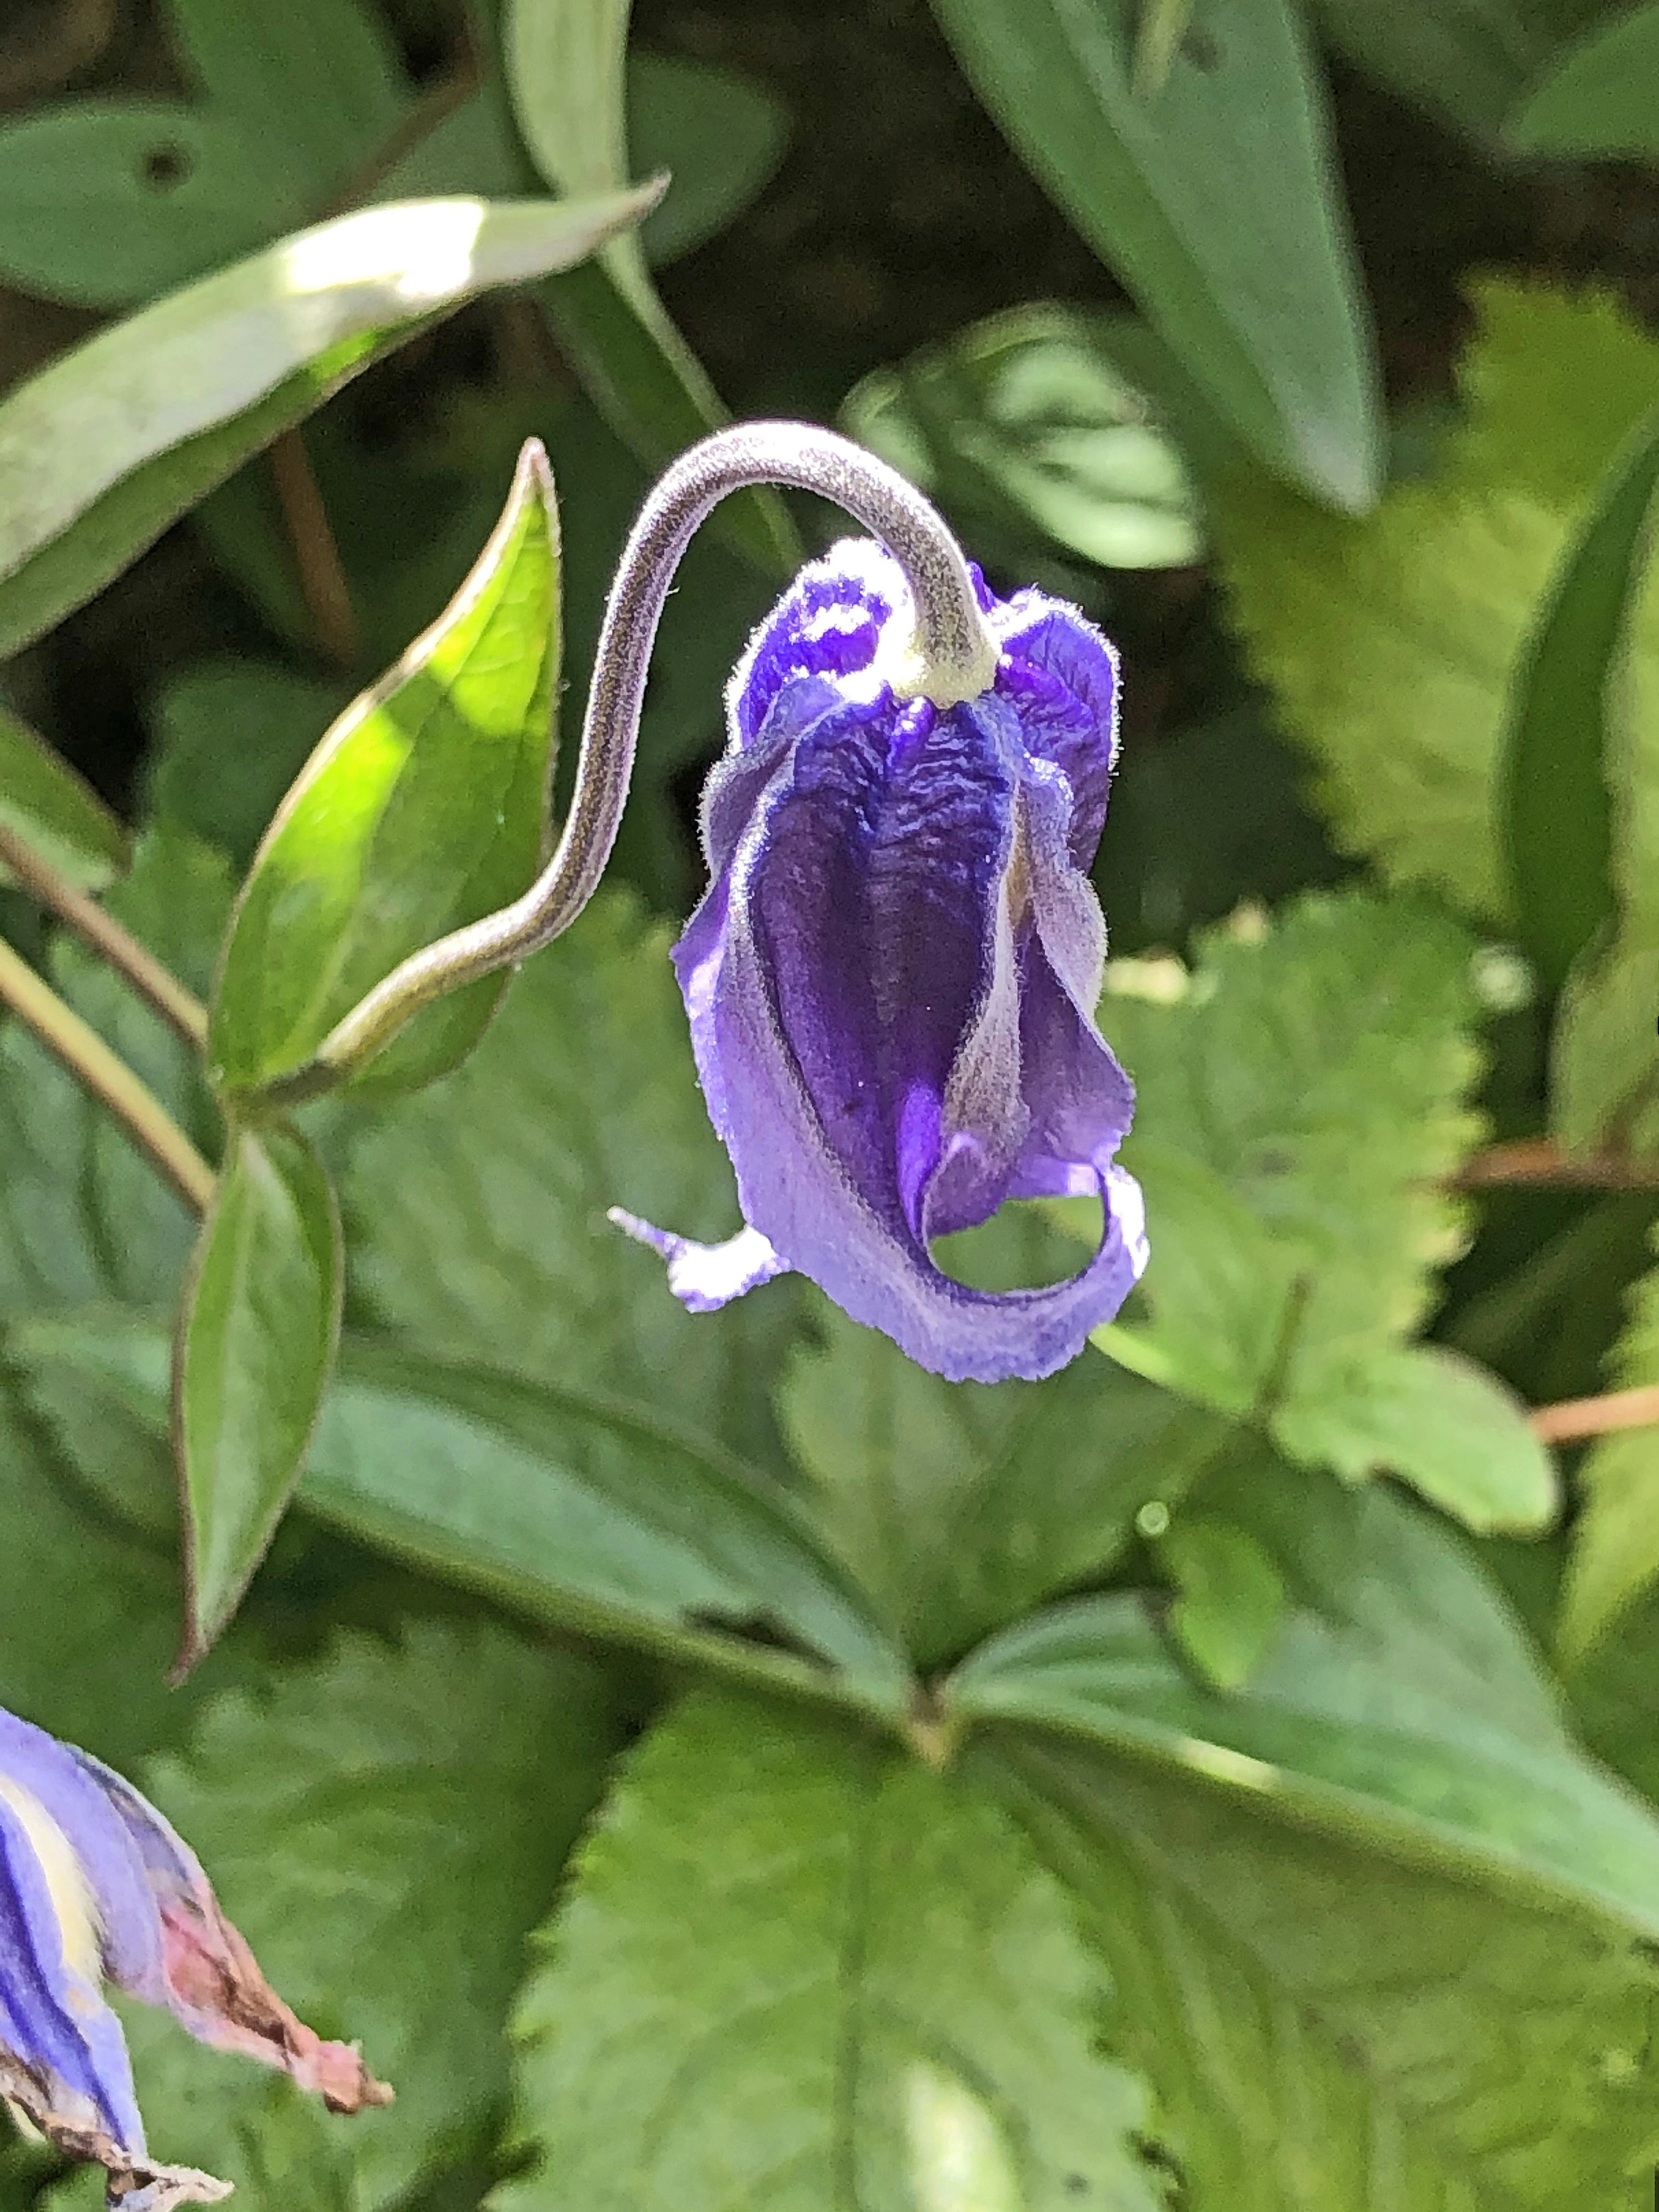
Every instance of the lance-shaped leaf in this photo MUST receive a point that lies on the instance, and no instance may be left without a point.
(566, 70)
(1212, 195)
(1598, 98)
(105, 448)
(422, 808)
(256, 1344)
(53, 811)
(1555, 785)
(578, 1509)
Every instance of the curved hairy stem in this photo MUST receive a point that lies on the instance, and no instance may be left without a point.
(954, 659)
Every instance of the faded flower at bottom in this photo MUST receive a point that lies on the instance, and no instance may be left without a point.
(891, 978)
(94, 1887)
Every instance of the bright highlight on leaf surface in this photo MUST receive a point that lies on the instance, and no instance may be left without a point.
(423, 807)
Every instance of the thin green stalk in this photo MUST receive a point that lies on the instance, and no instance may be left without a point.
(106, 1077)
(176, 1006)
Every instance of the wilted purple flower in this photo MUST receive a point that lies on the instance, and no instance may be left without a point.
(891, 978)
(95, 1886)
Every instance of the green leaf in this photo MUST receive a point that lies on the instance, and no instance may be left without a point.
(105, 202)
(319, 81)
(1391, 647)
(1614, 1556)
(58, 814)
(88, 1619)
(1457, 1434)
(1229, 1597)
(1554, 772)
(1465, 60)
(1380, 1714)
(793, 1971)
(256, 1341)
(579, 1510)
(84, 1218)
(1597, 98)
(1024, 423)
(1252, 285)
(717, 136)
(225, 791)
(423, 808)
(385, 1826)
(565, 69)
(1603, 1057)
(958, 1505)
(105, 448)
(1305, 1096)
(1328, 2029)
(478, 1212)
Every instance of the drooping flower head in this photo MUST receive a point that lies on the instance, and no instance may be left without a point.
(891, 978)
(95, 1887)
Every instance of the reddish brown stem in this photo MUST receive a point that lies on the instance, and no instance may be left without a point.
(1540, 1162)
(1576, 1417)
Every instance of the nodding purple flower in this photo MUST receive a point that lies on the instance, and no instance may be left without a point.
(94, 1887)
(892, 977)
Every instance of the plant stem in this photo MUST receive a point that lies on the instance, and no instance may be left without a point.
(106, 1077)
(1595, 1417)
(322, 572)
(1539, 1161)
(178, 1007)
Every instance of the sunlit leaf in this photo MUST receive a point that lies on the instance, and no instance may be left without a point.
(100, 451)
(423, 808)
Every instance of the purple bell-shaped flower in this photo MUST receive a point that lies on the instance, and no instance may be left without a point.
(94, 1887)
(891, 979)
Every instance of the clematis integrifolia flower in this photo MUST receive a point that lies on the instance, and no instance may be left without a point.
(95, 1887)
(891, 978)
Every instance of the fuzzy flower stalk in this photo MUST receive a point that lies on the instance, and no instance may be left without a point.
(96, 1889)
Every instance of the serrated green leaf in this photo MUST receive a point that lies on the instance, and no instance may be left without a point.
(224, 788)
(1597, 98)
(385, 1826)
(1229, 1597)
(105, 448)
(579, 1510)
(56, 813)
(105, 203)
(960, 1504)
(1614, 1555)
(256, 1345)
(1379, 1926)
(1303, 1097)
(1252, 286)
(717, 136)
(320, 82)
(1328, 2029)
(1390, 646)
(478, 1213)
(423, 808)
(1024, 424)
(1457, 1434)
(82, 1216)
(1558, 749)
(793, 1971)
